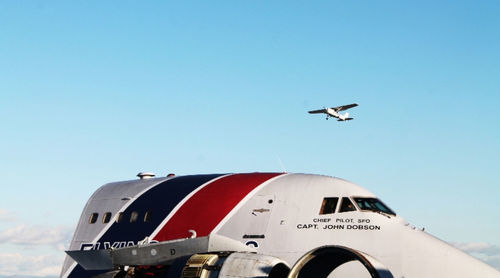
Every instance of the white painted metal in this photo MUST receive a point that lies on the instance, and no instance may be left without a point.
(281, 218)
(242, 265)
(113, 197)
(296, 227)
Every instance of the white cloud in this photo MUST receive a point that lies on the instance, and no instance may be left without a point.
(57, 237)
(7, 216)
(479, 247)
(18, 264)
(486, 252)
(34, 243)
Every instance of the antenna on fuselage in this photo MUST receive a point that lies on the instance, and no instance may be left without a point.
(281, 164)
(146, 175)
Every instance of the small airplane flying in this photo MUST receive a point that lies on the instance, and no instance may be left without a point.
(334, 112)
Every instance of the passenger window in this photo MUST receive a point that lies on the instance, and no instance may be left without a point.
(106, 217)
(346, 205)
(93, 217)
(147, 216)
(119, 217)
(133, 216)
(329, 205)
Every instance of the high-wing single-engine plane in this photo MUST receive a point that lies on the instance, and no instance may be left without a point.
(277, 225)
(334, 112)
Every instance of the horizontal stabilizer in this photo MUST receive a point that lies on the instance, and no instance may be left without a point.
(92, 259)
(346, 119)
(155, 253)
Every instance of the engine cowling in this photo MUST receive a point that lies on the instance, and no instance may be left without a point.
(228, 265)
(323, 261)
(213, 265)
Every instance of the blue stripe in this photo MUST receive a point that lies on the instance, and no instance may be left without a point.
(160, 200)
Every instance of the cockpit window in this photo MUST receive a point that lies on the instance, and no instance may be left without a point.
(346, 205)
(373, 204)
(329, 205)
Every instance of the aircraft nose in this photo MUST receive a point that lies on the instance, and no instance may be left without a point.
(432, 257)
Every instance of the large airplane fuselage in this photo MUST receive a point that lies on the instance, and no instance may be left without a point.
(286, 216)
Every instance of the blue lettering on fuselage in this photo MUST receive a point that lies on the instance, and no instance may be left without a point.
(107, 245)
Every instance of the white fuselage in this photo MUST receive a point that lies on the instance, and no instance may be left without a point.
(332, 113)
(285, 216)
(293, 226)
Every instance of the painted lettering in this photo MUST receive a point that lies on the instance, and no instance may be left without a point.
(344, 220)
(321, 220)
(333, 227)
(307, 226)
(107, 245)
(363, 227)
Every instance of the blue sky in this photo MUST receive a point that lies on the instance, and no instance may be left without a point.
(93, 92)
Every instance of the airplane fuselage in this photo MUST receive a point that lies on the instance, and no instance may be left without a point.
(286, 216)
(332, 113)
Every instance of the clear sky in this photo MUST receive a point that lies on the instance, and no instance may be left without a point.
(97, 91)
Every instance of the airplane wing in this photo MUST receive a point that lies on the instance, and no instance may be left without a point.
(317, 111)
(344, 107)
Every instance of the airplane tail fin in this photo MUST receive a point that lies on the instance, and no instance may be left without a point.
(344, 117)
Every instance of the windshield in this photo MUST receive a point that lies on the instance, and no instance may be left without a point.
(373, 204)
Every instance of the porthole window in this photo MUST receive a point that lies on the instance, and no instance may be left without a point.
(133, 216)
(93, 217)
(148, 216)
(329, 205)
(119, 217)
(106, 217)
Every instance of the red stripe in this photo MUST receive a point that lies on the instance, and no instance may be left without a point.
(203, 211)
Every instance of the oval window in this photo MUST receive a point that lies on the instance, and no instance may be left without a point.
(133, 216)
(148, 216)
(106, 217)
(119, 217)
(93, 217)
